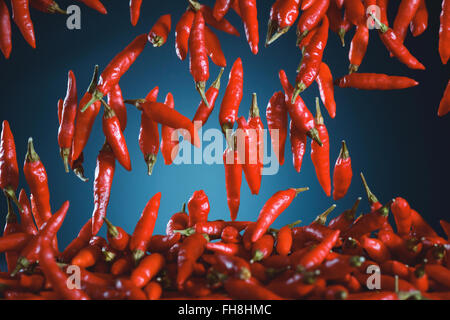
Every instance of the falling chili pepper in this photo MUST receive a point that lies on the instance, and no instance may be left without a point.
(326, 89)
(355, 11)
(160, 31)
(169, 137)
(346, 218)
(95, 4)
(298, 145)
(444, 105)
(249, 16)
(182, 32)
(9, 169)
(5, 30)
(214, 48)
(375, 81)
(444, 32)
(405, 14)
(117, 237)
(135, 11)
(233, 178)
(320, 155)
(21, 16)
(276, 114)
(419, 23)
(342, 174)
(358, 47)
(47, 6)
(203, 112)
(116, 102)
(255, 123)
(144, 228)
(198, 207)
(221, 8)
(26, 218)
(311, 18)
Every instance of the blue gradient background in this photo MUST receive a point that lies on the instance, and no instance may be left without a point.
(394, 137)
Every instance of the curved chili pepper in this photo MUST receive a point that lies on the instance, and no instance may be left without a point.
(345, 219)
(326, 89)
(214, 48)
(419, 227)
(81, 241)
(26, 218)
(300, 115)
(67, 124)
(95, 4)
(159, 243)
(383, 5)
(147, 269)
(198, 207)
(393, 267)
(376, 249)
(104, 174)
(21, 16)
(375, 81)
(222, 24)
(369, 222)
(320, 155)
(5, 30)
(373, 201)
(273, 207)
(311, 18)
(9, 169)
(284, 241)
(342, 174)
(37, 180)
(135, 11)
(255, 123)
(233, 178)
(178, 221)
(444, 105)
(312, 59)
(144, 228)
(402, 215)
(190, 250)
(395, 45)
(169, 146)
(117, 237)
(355, 11)
(203, 112)
(198, 55)
(405, 14)
(160, 31)
(85, 120)
(283, 14)
(298, 145)
(276, 114)
(358, 47)
(182, 32)
(221, 8)
(116, 102)
(249, 16)
(262, 247)
(340, 266)
(91, 254)
(439, 273)
(153, 290)
(338, 23)
(116, 68)
(47, 6)
(444, 32)
(122, 265)
(232, 97)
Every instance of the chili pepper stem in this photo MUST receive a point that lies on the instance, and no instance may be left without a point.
(150, 160)
(344, 154)
(157, 41)
(200, 87)
(186, 232)
(94, 80)
(314, 134)
(65, 153)
(293, 224)
(301, 36)
(352, 68)
(194, 5)
(271, 27)
(137, 256)
(322, 218)
(350, 214)
(31, 155)
(10, 194)
(54, 8)
(245, 274)
(79, 172)
(254, 110)
(300, 190)
(319, 117)
(108, 255)
(96, 96)
(275, 33)
(383, 28)
(341, 34)
(258, 256)
(216, 83)
(226, 129)
(22, 263)
(299, 87)
(372, 198)
(112, 230)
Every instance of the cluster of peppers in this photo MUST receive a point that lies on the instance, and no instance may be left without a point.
(198, 258)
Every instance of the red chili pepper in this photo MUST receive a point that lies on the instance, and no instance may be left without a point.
(232, 266)
(273, 207)
(104, 174)
(307, 39)
(230, 235)
(178, 221)
(419, 278)
(355, 11)
(311, 18)
(345, 219)
(342, 175)
(395, 45)
(89, 255)
(117, 237)
(405, 14)
(222, 25)
(182, 32)
(446, 227)
(160, 31)
(190, 250)
(37, 180)
(282, 16)
(214, 48)
(117, 67)
(312, 59)
(439, 273)
(81, 240)
(233, 178)
(338, 23)
(373, 201)
(169, 146)
(5, 33)
(444, 32)
(320, 155)
(444, 105)
(375, 81)
(47, 6)
(225, 248)
(130, 290)
(203, 112)
(12, 226)
(375, 249)
(262, 247)
(298, 145)
(358, 47)
(315, 256)
(248, 10)
(402, 215)
(242, 289)
(383, 5)
(393, 267)
(368, 222)
(21, 16)
(116, 102)
(276, 114)
(326, 89)
(232, 97)
(147, 269)
(419, 227)
(381, 295)
(9, 169)
(95, 4)
(85, 120)
(284, 241)
(198, 208)
(135, 11)
(153, 290)
(340, 266)
(300, 115)
(26, 218)
(293, 285)
(161, 244)
(198, 55)
(144, 228)
(221, 8)
(122, 265)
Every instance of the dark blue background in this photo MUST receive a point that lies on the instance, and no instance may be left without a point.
(394, 137)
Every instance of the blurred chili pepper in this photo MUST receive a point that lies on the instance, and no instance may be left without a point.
(221, 8)
(444, 105)
(160, 31)
(91, 254)
(298, 145)
(355, 11)
(248, 10)
(5, 33)
(444, 32)
(21, 16)
(214, 48)
(169, 146)
(242, 289)
(191, 249)
(203, 112)
(26, 218)
(47, 6)
(147, 269)
(222, 25)
(276, 114)
(182, 32)
(12, 226)
(135, 11)
(9, 169)
(95, 4)
(405, 14)
(198, 207)
(326, 89)
(311, 18)
(116, 102)
(375, 81)
(342, 175)
(80, 241)
(233, 178)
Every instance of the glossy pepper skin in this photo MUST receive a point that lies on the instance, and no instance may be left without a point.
(190, 250)
(160, 31)
(249, 16)
(320, 155)
(355, 11)
(182, 32)
(345, 219)
(444, 32)
(9, 169)
(214, 48)
(5, 30)
(405, 14)
(358, 47)
(116, 102)
(104, 174)
(311, 18)
(222, 25)
(21, 16)
(326, 89)
(198, 55)
(135, 11)
(276, 114)
(255, 123)
(298, 145)
(47, 6)
(147, 269)
(444, 105)
(198, 207)
(232, 97)
(375, 81)
(117, 237)
(233, 178)
(419, 23)
(315, 256)
(221, 8)
(95, 4)
(273, 207)
(169, 146)
(402, 215)
(203, 112)
(37, 180)
(144, 228)
(26, 218)
(369, 222)
(342, 174)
